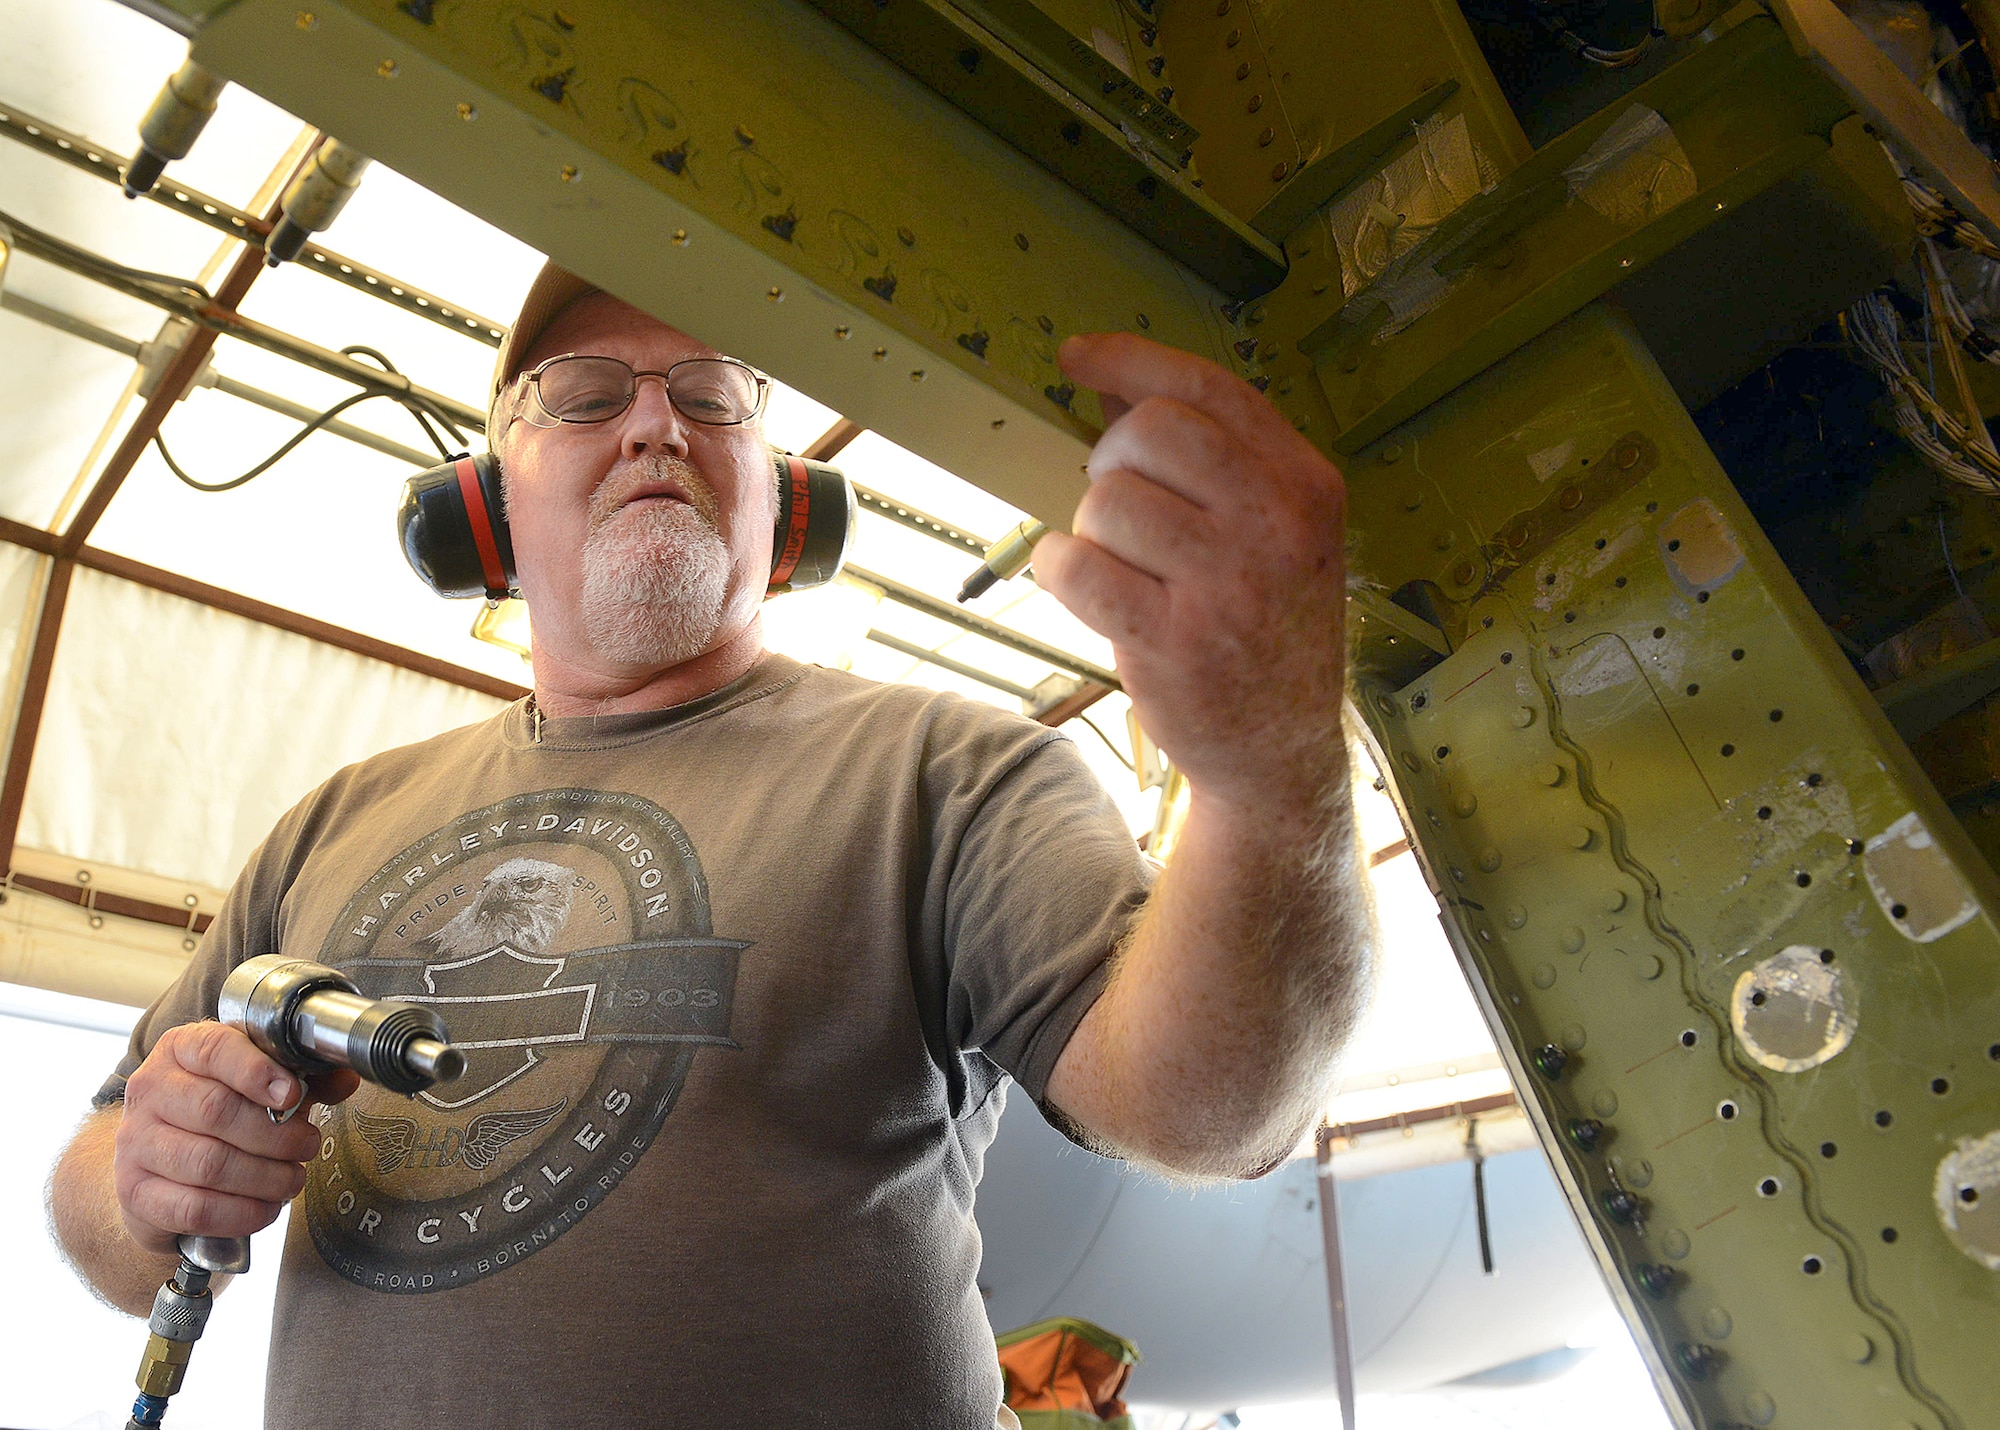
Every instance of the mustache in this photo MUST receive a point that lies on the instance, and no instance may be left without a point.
(627, 479)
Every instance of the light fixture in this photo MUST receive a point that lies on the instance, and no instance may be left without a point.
(505, 625)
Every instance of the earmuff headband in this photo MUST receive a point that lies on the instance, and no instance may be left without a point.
(795, 532)
(481, 522)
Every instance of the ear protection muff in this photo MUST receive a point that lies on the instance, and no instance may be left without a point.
(453, 526)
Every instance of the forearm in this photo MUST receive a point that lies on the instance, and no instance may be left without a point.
(1212, 1049)
(90, 1228)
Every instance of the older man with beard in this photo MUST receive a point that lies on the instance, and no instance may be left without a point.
(718, 1154)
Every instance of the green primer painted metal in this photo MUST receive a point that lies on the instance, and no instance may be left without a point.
(1746, 112)
(898, 238)
(1645, 769)
(1294, 98)
(1077, 133)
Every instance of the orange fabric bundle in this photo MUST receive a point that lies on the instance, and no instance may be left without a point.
(1066, 1364)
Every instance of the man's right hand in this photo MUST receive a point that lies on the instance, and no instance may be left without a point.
(197, 1151)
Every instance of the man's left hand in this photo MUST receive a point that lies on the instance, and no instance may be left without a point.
(1209, 551)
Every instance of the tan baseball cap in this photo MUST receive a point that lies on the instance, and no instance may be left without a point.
(553, 290)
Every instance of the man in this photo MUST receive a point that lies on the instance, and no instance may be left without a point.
(742, 951)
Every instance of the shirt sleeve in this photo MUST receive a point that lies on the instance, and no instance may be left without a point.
(1044, 882)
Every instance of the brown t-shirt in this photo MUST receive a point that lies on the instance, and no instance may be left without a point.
(740, 984)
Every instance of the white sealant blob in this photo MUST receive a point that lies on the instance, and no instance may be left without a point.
(1792, 1012)
(1968, 1198)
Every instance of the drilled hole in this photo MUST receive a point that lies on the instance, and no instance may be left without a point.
(1728, 750)
(1969, 1196)
(1690, 1038)
(1694, 690)
(1763, 811)
(1854, 847)
(1651, 507)
(1674, 545)
(1889, 1235)
(1757, 999)
(1826, 955)
(1828, 1150)
(1736, 654)
(1702, 599)
(1506, 657)
(1811, 1266)
(1994, 1052)
(1727, 1111)
(1619, 583)
(1568, 616)
(1939, 1087)
(1659, 633)
(1776, 716)
(1443, 751)
(1600, 543)
(1769, 1187)
(1813, 781)
(1885, 1118)
(1897, 911)
(1802, 879)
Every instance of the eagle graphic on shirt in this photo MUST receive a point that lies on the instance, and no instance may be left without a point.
(563, 938)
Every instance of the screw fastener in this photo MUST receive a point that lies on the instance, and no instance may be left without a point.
(1695, 1360)
(1654, 1279)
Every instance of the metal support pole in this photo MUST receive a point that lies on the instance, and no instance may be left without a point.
(1336, 1278)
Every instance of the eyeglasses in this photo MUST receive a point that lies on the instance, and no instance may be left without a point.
(717, 392)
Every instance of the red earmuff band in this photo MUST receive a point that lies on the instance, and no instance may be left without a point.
(795, 532)
(481, 522)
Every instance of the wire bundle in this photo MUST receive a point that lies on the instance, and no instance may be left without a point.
(1945, 440)
(1937, 219)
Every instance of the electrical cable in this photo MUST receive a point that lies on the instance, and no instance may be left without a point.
(416, 406)
(84, 259)
(1568, 36)
(1108, 744)
(257, 471)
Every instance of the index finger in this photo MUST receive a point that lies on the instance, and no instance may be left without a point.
(226, 1055)
(1126, 369)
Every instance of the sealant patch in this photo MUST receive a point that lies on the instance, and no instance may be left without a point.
(1791, 1012)
(1915, 882)
(1700, 550)
(1968, 1198)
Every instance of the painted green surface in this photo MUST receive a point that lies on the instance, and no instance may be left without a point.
(1640, 772)
(867, 202)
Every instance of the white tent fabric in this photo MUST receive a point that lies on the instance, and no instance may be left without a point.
(177, 734)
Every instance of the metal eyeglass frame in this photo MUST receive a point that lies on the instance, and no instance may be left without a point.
(531, 386)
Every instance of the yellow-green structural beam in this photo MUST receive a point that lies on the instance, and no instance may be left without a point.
(751, 172)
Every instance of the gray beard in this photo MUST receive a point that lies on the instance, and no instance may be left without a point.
(655, 581)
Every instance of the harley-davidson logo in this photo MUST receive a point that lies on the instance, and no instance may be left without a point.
(564, 939)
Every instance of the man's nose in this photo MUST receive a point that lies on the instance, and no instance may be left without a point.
(652, 424)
